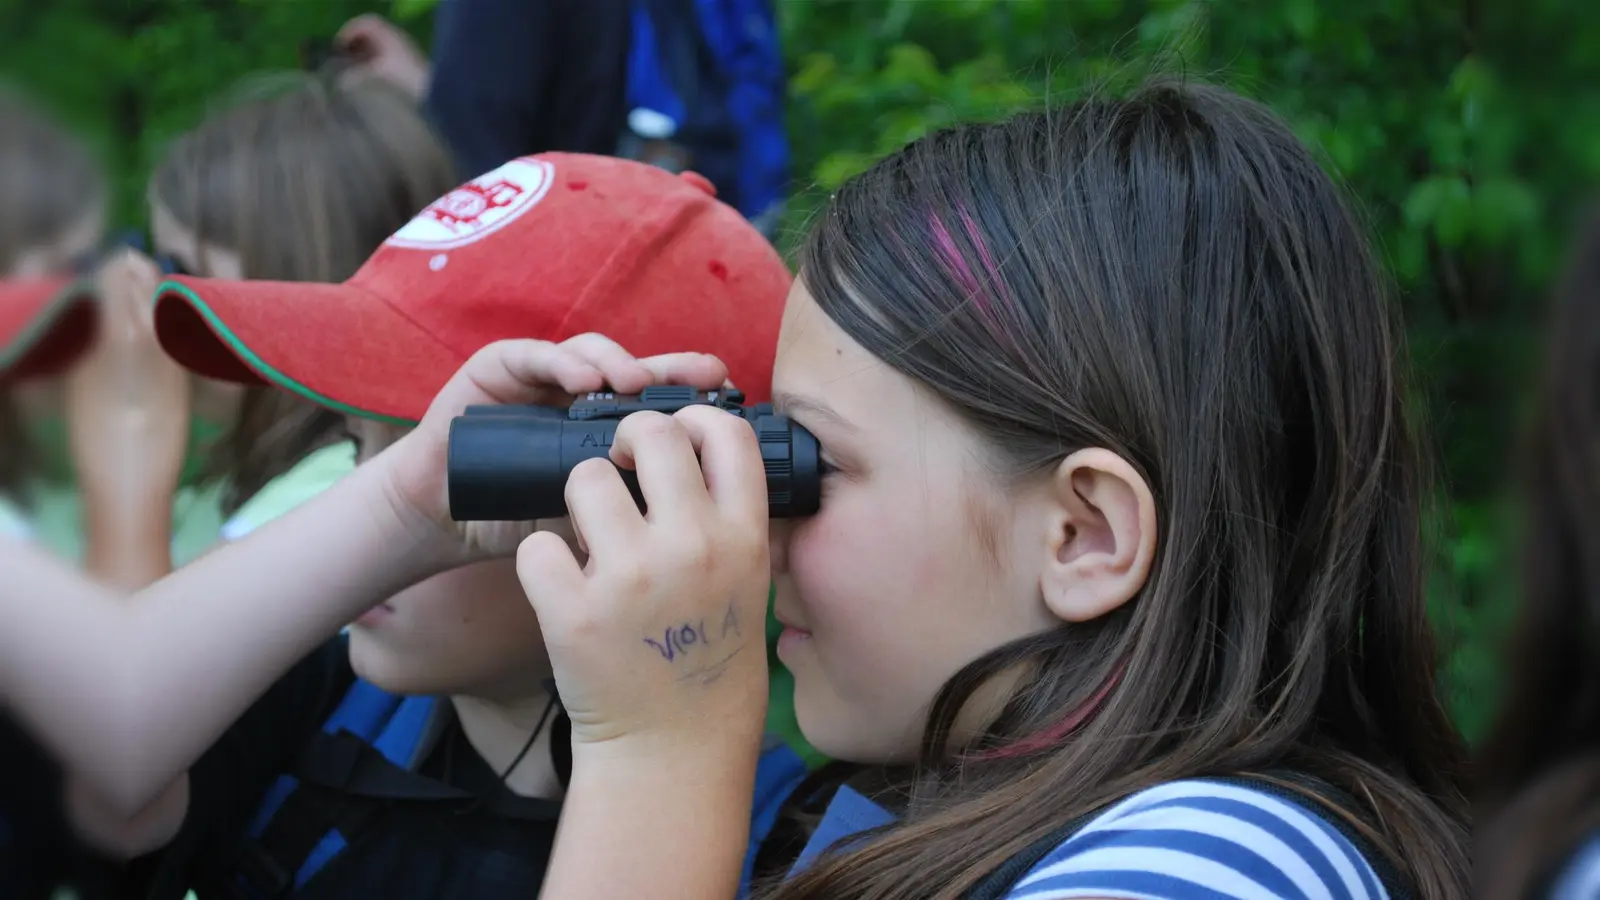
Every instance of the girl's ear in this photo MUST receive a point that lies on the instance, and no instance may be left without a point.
(1102, 535)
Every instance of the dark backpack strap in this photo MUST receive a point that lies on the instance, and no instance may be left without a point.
(318, 809)
(268, 866)
(345, 785)
(345, 763)
(351, 767)
(999, 882)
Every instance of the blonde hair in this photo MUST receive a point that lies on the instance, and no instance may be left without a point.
(303, 176)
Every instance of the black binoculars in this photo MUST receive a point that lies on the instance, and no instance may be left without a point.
(510, 463)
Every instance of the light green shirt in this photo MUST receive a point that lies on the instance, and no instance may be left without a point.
(310, 477)
(55, 519)
(12, 522)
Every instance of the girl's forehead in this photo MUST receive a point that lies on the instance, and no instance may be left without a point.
(829, 380)
(810, 340)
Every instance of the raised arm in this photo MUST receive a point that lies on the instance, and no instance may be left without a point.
(129, 694)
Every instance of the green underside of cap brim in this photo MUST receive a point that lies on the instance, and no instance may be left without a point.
(262, 367)
(30, 336)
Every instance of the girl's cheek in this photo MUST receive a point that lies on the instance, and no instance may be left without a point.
(804, 553)
(824, 555)
(779, 533)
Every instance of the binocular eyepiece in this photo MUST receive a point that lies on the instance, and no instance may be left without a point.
(510, 463)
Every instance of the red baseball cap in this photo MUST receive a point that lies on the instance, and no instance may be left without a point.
(45, 324)
(546, 247)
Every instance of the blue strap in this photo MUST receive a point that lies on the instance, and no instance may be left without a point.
(402, 736)
(848, 813)
(325, 851)
(392, 725)
(399, 742)
(364, 710)
(778, 773)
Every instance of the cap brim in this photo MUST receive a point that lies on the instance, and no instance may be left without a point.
(46, 325)
(335, 345)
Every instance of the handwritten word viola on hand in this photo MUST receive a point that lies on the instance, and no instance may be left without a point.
(698, 642)
(684, 581)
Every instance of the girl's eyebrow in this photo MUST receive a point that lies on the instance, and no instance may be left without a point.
(787, 404)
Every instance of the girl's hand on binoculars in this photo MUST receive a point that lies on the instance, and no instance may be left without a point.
(658, 641)
(519, 372)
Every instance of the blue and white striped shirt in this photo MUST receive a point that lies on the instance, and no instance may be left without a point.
(1203, 840)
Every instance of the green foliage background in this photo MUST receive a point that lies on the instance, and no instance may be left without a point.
(1468, 175)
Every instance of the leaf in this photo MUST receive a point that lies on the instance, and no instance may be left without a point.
(816, 71)
(1301, 16)
(405, 10)
(1426, 200)
(910, 65)
(837, 168)
(1453, 218)
(1471, 80)
(1503, 207)
(1408, 255)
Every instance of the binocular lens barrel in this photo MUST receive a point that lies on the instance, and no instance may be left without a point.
(510, 464)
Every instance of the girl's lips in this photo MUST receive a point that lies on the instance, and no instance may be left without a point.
(788, 623)
(791, 640)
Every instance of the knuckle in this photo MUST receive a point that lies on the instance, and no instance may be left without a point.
(532, 550)
(659, 425)
(589, 341)
(687, 553)
(590, 472)
(493, 351)
(721, 422)
(736, 429)
(746, 542)
(691, 549)
(651, 426)
(631, 576)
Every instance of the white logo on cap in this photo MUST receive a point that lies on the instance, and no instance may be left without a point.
(478, 208)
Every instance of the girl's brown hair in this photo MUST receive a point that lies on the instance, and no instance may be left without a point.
(1171, 276)
(303, 176)
(1541, 761)
(50, 183)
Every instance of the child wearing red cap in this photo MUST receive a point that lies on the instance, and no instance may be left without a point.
(422, 753)
(126, 691)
